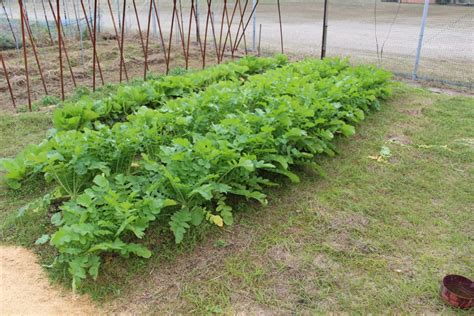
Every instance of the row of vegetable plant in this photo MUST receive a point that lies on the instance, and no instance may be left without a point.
(181, 161)
(91, 113)
(154, 93)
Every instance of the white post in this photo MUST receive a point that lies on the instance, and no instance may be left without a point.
(117, 4)
(198, 34)
(36, 15)
(154, 17)
(254, 26)
(99, 15)
(420, 40)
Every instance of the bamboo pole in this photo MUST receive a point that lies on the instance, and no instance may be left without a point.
(119, 44)
(63, 45)
(241, 24)
(122, 61)
(155, 7)
(224, 9)
(248, 21)
(147, 39)
(7, 77)
(139, 27)
(33, 47)
(89, 30)
(58, 25)
(229, 33)
(94, 43)
(47, 23)
(25, 57)
(171, 36)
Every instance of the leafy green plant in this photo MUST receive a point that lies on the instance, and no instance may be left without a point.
(154, 93)
(101, 218)
(183, 159)
(7, 42)
(49, 100)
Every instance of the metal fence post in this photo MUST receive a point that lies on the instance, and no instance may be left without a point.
(254, 30)
(154, 17)
(325, 30)
(420, 40)
(197, 14)
(117, 4)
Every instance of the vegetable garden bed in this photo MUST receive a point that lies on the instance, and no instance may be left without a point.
(175, 149)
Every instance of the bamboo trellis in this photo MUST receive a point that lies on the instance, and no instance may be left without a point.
(235, 17)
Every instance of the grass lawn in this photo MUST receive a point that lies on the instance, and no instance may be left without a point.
(369, 237)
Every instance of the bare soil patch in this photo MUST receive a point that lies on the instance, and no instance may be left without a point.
(25, 289)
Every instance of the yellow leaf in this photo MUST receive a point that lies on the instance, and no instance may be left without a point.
(216, 219)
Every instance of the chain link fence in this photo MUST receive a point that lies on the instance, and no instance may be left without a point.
(384, 33)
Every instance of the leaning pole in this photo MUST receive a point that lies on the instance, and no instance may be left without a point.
(420, 39)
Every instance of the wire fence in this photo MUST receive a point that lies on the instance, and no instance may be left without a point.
(385, 33)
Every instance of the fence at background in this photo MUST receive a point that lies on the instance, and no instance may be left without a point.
(381, 32)
(384, 33)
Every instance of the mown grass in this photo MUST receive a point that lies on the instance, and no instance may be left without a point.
(370, 237)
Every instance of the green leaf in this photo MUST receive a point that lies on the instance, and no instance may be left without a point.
(94, 263)
(247, 164)
(77, 270)
(101, 181)
(169, 202)
(205, 191)
(182, 142)
(251, 195)
(124, 225)
(385, 152)
(347, 130)
(226, 212)
(84, 199)
(42, 240)
(14, 184)
(292, 176)
(139, 250)
(56, 219)
(179, 223)
(197, 215)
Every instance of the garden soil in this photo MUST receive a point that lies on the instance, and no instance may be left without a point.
(26, 290)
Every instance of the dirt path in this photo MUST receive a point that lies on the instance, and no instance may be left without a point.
(25, 289)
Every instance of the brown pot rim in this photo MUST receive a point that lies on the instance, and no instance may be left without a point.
(464, 279)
